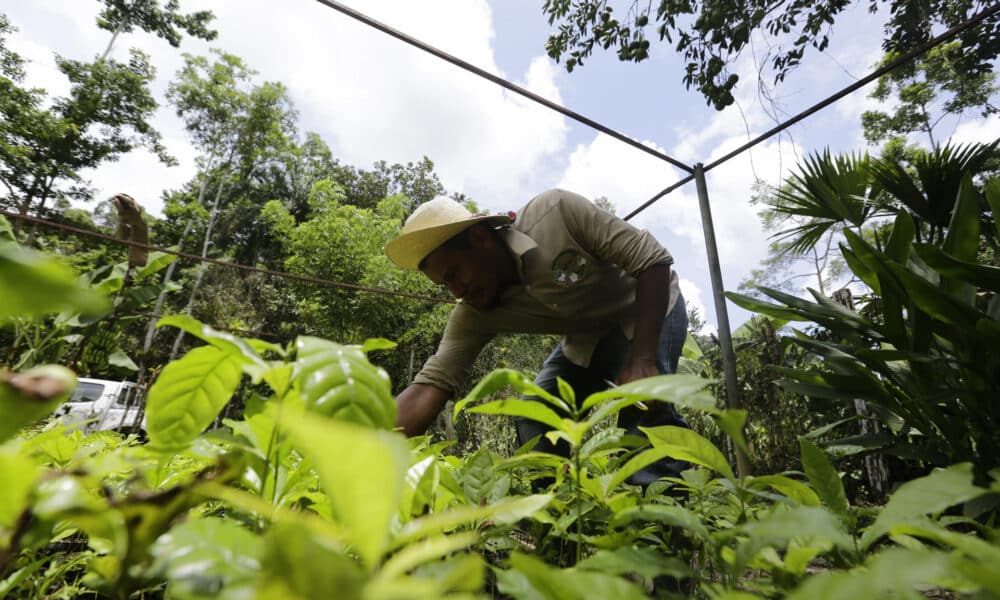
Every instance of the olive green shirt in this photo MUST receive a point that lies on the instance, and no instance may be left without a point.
(578, 264)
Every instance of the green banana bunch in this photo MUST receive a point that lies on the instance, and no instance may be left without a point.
(32, 395)
(98, 348)
(339, 382)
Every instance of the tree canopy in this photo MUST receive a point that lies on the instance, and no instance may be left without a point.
(711, 34)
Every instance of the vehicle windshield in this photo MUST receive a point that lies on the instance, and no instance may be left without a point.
(87, 392)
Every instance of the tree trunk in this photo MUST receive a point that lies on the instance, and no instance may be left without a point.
(202, 267)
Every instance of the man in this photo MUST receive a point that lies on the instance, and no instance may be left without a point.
(562, 266)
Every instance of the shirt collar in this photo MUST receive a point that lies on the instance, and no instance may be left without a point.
(519, 244)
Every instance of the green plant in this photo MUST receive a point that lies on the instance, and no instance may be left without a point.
(924, 354)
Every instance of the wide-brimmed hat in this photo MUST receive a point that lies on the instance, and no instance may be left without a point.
(432, 224)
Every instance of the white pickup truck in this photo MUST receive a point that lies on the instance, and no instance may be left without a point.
(101, 404)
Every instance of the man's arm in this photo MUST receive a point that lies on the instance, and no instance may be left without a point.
(418, 405)
(652, 297)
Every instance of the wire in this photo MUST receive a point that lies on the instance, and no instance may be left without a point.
(947, 35)
(232, 265)
(399, 35)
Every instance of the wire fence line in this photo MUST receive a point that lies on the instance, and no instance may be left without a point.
(903, 59)
(305, 278)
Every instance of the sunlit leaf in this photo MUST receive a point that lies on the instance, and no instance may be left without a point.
(364, 491)
(188, 395)
(207, 554)
(530, 409)
(674, 516)
(501, 378)
(805, 524)
(930, 494)
(788, 487)
(228, 343)
(33, 284)
(338, 381)
(890, 574)
(645, 562)
(686, 444)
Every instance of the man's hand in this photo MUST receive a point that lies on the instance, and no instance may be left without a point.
(652, 296)
(418, 405)
(637, 367)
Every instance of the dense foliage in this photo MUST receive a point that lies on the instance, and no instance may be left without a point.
(267, 466)
(307, 494)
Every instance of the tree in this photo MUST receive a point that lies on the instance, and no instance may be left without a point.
(44, 143)
(124, 16)
(234, 123)
(926, 91)
(710, 34)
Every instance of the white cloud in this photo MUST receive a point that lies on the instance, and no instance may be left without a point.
(983, 131)
(371, 97)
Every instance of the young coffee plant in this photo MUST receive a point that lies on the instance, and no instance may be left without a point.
(311, 494)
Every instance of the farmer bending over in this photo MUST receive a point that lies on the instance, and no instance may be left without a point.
(562, 266)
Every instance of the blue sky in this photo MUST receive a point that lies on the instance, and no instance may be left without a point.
(374, 98)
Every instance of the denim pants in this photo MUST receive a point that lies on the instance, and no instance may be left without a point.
(608, 359)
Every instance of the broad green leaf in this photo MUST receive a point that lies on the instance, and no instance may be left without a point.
(32, 395)
(188, 395)
(931, 494)
(980, 275)
(506, 511)
(668, 514)
(815, 433)
(566, 391)
(686, 444)
(372, 344)
(894, 573)
(903, 230)
(824, 478)
(18, 474)
(765, 308)
(228, 343)
(207, 554)
(416, 495)
(731, 422)
(530, 409)
(302, 565)
(501, 378)
(362, 471)
(691, 349)
(512, 509)
(479, 475)
(118, 358)
(33, 284)
(788, 487)
(992, 192)
(962, 239)
(637, 463)
(338, 381)
(424, 551)
(645, 562)
(966, 543)
(681, 390)
(807, 524)
(6, 231)
(569, 584)
(156, 262)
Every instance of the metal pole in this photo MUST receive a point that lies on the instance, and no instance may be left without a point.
(721, 313)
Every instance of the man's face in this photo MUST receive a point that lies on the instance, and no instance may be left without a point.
(469, 273)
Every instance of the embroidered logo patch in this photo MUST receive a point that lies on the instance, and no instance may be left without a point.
(569, 267)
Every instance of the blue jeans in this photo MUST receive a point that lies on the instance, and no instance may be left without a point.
(608, 359)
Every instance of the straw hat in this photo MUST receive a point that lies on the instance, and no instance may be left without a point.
(432, 224)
